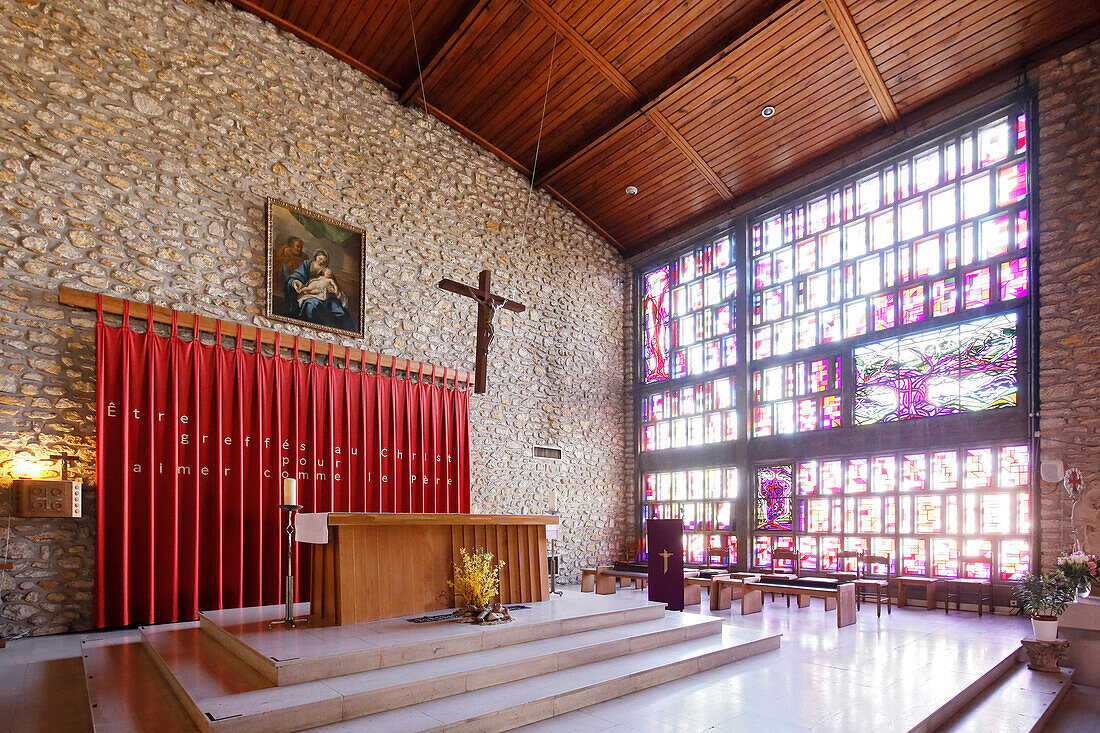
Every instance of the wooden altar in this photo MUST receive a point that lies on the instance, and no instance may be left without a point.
(377, 566)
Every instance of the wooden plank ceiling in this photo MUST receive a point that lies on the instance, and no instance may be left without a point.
(666, 95)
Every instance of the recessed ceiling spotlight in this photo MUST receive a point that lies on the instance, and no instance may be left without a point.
(631, 190)
(767, 111)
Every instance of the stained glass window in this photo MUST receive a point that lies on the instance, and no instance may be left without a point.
(690, 329)
(911, 281)
(796, 397)
(655, 305)
(962, 368)
(927, 505)
(689, 319)
(774, 487)
(698, 414)
(932, 215)
(703, 498)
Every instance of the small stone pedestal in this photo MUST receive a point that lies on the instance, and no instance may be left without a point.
(1043, 656)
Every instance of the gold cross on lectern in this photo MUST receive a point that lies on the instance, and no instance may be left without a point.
(666, 555)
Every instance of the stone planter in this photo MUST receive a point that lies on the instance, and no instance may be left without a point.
(1045, 628)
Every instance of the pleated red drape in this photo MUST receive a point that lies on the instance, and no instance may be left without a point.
(193, 442)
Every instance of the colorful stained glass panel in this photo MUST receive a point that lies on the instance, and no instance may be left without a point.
(774, 487)
(963, 368)
(1013, 279)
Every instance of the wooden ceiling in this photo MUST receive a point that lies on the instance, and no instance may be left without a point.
(666, 95)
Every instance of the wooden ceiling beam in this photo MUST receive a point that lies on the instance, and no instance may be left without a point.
(628, 90)
(845, 25)
(585, 49)
(439, 55)
(663, 124)
(671, 88)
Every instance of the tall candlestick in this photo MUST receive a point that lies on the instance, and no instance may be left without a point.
(290, 491)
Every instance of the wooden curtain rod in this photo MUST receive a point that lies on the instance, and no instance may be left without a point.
(140, 311)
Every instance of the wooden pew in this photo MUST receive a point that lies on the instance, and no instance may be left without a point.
(693, 588)
(726, 589)
(589, 576)
(842, 597)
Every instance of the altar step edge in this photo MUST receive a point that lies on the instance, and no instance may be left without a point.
(1005, 698)
(524, 702)
(1019, 700)
(221, 693)
(293, 671)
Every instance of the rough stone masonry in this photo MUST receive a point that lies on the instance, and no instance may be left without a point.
(139, 140)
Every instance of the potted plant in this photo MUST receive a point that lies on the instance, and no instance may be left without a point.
(1044, 596)
(1083, 571)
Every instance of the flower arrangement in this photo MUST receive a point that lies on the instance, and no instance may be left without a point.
(1045, 595)
(1081, 568)
(477, 580)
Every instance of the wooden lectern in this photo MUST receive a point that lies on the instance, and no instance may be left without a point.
(377, 566)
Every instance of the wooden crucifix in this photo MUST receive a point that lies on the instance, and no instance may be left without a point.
(487, 304)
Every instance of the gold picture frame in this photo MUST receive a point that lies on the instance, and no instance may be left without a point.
(315, 270)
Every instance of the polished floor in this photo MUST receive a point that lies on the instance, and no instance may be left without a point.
(873, 676)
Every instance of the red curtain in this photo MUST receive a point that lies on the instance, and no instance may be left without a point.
(193, 442)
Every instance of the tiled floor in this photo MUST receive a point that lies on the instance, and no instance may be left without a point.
(42, 686)
(866, 677)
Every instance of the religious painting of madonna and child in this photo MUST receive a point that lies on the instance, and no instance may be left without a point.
(314, 270)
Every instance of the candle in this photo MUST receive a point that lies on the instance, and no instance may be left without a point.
(290, 491)
(554, 501)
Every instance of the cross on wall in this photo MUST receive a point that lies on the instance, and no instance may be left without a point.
(487, 304)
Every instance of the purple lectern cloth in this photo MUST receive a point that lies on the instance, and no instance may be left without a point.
(665, 542)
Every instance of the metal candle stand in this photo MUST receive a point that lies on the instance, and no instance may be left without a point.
(553, 559)
(288, 615)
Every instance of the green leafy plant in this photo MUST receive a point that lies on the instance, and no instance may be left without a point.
(1045, 595)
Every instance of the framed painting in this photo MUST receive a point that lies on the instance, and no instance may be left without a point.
(314, 270)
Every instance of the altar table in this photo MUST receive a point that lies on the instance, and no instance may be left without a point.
(377, 566)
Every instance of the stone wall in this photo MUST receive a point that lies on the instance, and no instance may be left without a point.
(1069, 291)
(139, 139)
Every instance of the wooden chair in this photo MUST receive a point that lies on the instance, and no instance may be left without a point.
(873, 589)
(782, 553)
(722, 553)
(840, 573)
(981, 589)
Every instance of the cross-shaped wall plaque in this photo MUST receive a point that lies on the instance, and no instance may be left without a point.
(487, 304)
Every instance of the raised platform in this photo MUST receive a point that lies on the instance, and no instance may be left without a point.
(1081, 625)
(288, 656)
(231, 673)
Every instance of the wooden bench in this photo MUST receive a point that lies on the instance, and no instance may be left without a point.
(929, 585)
(693, 587)
(603, 579)
(841, 596)
(589, 576)
(726, 589)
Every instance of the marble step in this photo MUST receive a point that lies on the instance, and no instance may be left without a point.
(1021, 700)
(514, 704)
(216, 686)
(291, 656)
(951, 708)
(125, 691)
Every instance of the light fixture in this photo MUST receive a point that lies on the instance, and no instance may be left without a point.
(631, 190)
(768, 111)
(27, 468)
